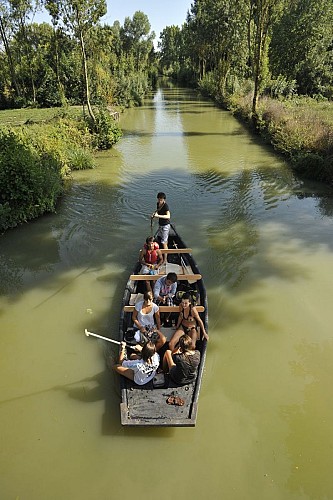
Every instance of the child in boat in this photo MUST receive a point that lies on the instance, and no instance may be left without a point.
(151, 259)
(188, 322)
(142, 367)
(182, 364)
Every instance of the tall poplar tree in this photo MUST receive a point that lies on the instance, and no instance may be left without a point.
(80, 16)
(302, 45)
(265, 13)
(4, 22)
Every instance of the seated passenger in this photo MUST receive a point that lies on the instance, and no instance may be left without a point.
(183, 363)
(188, 322)
(165, 288)
(142, 367)
(151, 259)
(146, 319)
(164, 291)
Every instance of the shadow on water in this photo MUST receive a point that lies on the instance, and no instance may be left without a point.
(233, 226)
(180, 133)
(233, 197)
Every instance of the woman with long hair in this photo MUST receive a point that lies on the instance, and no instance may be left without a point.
(188, 322)
(141, 367)
(146, 319)
(182, 364)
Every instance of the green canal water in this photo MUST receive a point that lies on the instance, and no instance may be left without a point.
(263, 240)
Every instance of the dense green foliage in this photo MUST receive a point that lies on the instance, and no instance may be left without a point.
(30, 182)
(244, 53)
(301, 128)
(76, 60)
(36, 159)
(105, 131)
(224, 44)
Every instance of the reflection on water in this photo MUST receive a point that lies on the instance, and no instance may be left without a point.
(263, 241)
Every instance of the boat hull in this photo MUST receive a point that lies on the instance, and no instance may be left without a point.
(146, 406)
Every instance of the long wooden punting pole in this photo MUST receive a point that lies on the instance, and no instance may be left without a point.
(106, 338)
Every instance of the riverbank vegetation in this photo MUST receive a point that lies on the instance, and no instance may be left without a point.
(73, 61)
(270, 62)
(36, 160)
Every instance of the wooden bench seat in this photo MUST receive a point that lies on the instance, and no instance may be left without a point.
(165, 308)
(176, 250)
(154, 277)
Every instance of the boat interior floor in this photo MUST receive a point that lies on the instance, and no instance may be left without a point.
(141, 400)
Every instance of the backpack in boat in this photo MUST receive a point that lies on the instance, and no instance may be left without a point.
(129, 336)
(179, 295)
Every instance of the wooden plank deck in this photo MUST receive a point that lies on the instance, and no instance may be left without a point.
(148, 405)
(176, 250)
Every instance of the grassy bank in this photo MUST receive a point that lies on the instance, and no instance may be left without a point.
(15, 117)
(300, 128)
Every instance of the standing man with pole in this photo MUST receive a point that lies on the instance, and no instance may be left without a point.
(162, 213)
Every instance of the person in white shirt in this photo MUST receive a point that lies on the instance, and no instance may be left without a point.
(141, 367)
(146, 319)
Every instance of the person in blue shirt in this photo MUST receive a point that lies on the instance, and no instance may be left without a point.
(165, 288)
(164, 291)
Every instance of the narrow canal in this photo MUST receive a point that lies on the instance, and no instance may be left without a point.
(263, 240)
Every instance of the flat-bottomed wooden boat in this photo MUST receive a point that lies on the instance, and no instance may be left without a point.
(147, 405)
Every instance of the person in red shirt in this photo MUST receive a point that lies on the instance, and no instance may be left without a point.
(151, 259)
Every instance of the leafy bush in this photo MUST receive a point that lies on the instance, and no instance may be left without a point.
(282, 87)
(66, 139)
(131, 89)
(30, 183)
(207, 85)
(49, 94)
(79, 159)
(106, 132)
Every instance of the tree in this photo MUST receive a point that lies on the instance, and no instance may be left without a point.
(301, 47)
(4, 21)
(170, 46)
(216, 35)
(137, 39)
(265, 13)
(80, 16)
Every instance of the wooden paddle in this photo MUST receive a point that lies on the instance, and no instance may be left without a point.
(88, 334)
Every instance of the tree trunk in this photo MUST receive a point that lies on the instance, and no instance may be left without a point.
(57, 65)
(10, 59)
(85, 70)
(264, 19)
(257, 58)
(28, 55)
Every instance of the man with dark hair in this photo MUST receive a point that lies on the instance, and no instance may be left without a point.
(165, 288)
(162, 213)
